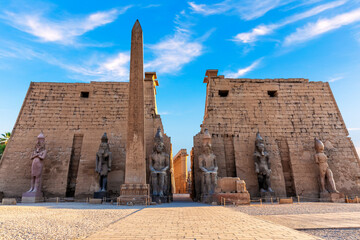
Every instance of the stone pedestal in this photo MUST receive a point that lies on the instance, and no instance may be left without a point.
(206, 198)
(159, 199)
(32, 197)
(332, 197)
(101, 195)
(266, 196)
(237, 198)
(134, 193)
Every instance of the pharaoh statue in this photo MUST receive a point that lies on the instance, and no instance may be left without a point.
(37, 157)
(159, 165)
(325, 171)
(208, 166)
(262, 165)
(103, 162)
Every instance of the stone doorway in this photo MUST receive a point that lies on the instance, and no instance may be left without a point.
(286, 166)
(74, 165)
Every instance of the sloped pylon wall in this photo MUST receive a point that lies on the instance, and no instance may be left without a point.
(65, 112)
(289, 114)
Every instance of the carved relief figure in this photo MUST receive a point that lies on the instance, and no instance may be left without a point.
(325, 171)
(103, 162)
(262, 164)
(159, 165)
(208, 166)
(37, 157)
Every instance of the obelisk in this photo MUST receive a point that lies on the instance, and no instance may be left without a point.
(135, 189)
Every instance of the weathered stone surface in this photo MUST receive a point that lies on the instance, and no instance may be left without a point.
(332, 197)
(285, 201)
(160, 169)
(208, 169)
(236, 198)
(135, 167)
(8, 201)
(74, 116)
(181, 171)
(289, 113)
(95, 201)
(103, 162)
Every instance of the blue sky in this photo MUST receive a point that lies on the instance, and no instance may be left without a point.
(83, 41)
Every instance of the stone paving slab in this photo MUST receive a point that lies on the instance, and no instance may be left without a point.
(314, 221)
(195, 221)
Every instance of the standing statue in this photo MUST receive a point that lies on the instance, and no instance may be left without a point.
(37, 157)
(103, 162)
(325, 171)
(159, 165)
(208, 166)
(262, 164)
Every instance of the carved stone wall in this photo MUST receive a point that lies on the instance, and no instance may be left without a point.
(65, 110)
(289, 113)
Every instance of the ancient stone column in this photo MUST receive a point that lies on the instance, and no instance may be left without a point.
(135, 189)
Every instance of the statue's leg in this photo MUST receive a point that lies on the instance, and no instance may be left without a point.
(154, 183)
(330, 177)
(322, 180)
(32, 183)
(208, 183)
(203, 185)
(37, 184)
(213, 182)
(161, 184)
(268, 183)
(100, 182)
(104, 186)
(261, 182)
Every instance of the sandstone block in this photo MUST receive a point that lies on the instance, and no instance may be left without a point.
(8, 201)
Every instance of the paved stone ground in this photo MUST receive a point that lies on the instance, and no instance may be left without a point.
(186, 220)
(326, 220)
(57, 221)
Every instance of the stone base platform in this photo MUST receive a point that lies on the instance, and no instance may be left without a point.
(32, 197)
(101, 195)
(266, 196)
(332, 197)
(8, 201)
(159, 199)
(237, 198)
(134, 194)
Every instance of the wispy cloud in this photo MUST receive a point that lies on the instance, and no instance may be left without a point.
(247, 9)
(114, 68)
(242, 71)
(59, 31)
(334, 79)
(176, 50)
(261, 30)
(354, 129)
(322, 26)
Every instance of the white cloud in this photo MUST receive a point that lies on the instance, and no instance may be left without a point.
(354, 129)
(242, 71)
(334, 79)
(261, 30)
(204, 9)
(172, 53)
(247, 9)
(64, 31)
(322, 26)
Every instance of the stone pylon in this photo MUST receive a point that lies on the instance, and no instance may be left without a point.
(135, 189)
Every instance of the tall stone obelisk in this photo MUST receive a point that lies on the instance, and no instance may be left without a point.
(135, 189)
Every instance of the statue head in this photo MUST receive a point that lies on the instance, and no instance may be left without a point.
(206, 141)
(40, 145)
(104, 145)
(319, 146)
(159, 145)
(260, 144)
